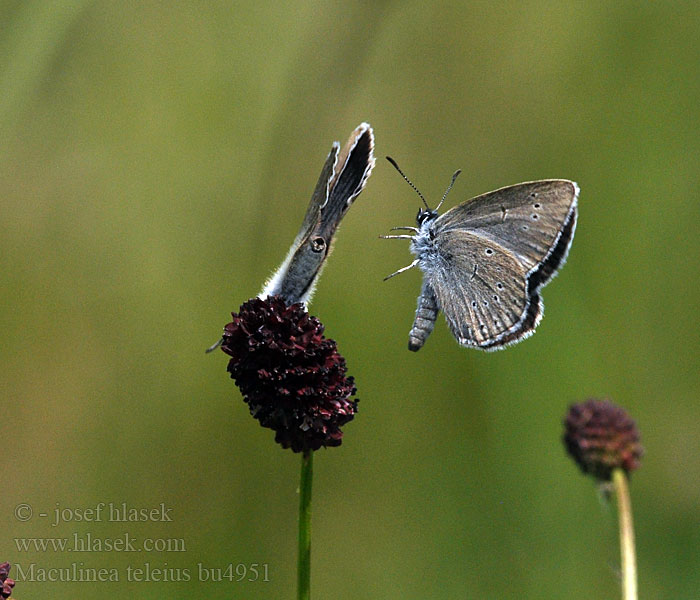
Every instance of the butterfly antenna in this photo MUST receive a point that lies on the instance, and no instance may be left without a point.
(449, 187)
(408, 181)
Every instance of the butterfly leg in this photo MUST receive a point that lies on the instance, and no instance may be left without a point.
(413, 264)
(426, 313)
(214, 346)
(396, 237)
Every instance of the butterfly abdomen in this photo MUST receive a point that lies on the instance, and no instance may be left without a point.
(426, 313)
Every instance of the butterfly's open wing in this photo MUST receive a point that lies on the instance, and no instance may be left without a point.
(494, 253)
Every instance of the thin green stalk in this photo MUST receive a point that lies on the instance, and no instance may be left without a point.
(304, 558)
(629, 561)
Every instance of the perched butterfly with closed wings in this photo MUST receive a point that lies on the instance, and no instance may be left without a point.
(342, 179)
(485, 260)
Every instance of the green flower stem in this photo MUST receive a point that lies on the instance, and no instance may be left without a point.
(304, 558)
(629, 561)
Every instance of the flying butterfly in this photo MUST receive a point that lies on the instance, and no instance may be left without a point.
(485, 260)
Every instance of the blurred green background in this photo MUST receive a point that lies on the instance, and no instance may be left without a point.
(156, 160)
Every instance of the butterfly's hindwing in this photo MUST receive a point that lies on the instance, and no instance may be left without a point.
(480, 287)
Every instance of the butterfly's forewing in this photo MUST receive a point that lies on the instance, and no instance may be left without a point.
(526, 219)
(354, 165)
(319, 198)
(495, 252)
(342, 178)
(557, 255)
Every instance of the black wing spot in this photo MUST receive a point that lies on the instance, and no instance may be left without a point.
(495, 297)
(534, 217)
(533, 195)
(474, 304)
(488, 251)
(536, 205)
(499, 285)
(525, 228)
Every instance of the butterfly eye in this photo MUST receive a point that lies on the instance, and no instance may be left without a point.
(422, 216)
(318, 244)
(425, 215)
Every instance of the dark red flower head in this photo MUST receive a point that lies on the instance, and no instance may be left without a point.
(600, 437)
(6, 582)
(291, 377)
